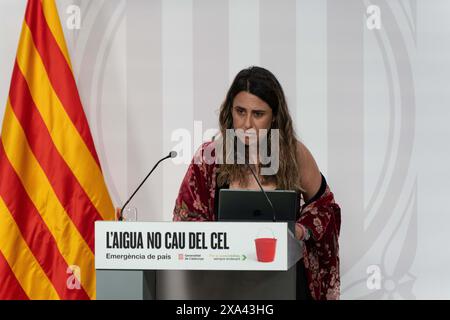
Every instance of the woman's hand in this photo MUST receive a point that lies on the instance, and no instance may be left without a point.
(299, 232)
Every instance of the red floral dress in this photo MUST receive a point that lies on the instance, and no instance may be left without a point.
(322, 217)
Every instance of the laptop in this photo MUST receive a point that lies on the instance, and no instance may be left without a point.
(252, 205)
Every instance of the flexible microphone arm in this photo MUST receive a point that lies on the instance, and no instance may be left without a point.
(172, 154)
(264, 192)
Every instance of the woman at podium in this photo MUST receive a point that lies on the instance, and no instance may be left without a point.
(255, 105)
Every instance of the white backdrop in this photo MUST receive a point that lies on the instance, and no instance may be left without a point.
(371, 105)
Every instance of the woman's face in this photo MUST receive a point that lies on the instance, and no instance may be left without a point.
(250, 112)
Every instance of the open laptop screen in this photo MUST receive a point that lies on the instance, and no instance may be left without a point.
(250, 205)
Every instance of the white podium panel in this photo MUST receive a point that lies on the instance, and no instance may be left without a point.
(256, 246)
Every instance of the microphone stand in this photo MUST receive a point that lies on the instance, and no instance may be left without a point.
(172, 154)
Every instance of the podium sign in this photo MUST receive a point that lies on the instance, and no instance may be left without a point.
(193, 246)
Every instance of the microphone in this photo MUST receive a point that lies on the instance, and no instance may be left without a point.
(172, 154)
(264, 192)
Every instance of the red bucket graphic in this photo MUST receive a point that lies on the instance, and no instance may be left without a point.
(265, 249)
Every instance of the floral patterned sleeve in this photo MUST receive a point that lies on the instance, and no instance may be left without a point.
(195, 201)
(317, 215)
(321, 256)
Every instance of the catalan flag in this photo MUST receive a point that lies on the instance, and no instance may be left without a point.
(52, 188)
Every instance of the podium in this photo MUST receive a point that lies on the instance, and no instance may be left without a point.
(196, 260)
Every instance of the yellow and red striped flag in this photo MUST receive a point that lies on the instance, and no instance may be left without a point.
(52, 188)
